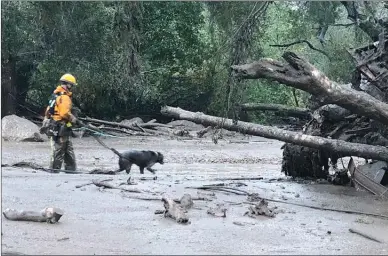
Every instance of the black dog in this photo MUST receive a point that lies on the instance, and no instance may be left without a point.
(142, 158)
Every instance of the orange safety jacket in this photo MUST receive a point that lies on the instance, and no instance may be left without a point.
(63, 105)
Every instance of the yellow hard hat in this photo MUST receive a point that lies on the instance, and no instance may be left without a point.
(68, 78)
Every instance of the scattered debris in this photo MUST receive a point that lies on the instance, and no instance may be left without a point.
(91, 183)
(49, 214)
(103, 171)
(352, 230)
(239, 223)
(186, 201)
(63, 239)
(104, 184)
(174, 211)
(359, 179)
(260, 209)
(149, 178)
(217, 212)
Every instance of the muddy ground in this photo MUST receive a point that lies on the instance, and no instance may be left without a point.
(106, 222)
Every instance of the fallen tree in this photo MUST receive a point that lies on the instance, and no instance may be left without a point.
(340, 147)
(300, 74)
(287, 110)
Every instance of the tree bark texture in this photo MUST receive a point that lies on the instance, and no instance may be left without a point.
(300, 74)
(330, 145)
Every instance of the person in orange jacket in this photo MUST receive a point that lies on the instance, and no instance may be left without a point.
(58, 124)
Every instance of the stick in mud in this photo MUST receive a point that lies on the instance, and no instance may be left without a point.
(352, 230)
(107, 185)
(91, 183)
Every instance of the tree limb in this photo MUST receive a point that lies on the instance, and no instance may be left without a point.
(330, 145)
(299, 42)
(300, 74)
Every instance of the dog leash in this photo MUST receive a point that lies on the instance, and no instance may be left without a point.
(102, 143)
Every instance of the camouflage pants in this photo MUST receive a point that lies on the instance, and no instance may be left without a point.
(62, 150)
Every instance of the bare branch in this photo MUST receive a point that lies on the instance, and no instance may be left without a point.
(299, 42)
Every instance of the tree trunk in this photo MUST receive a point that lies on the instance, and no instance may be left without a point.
(8, 86)
(337, 146)
(300, 74)
(287, 110)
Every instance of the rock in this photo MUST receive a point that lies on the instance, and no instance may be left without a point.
(131, 121)
(15, 128)
(187, 125)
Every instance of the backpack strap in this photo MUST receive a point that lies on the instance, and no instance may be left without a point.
(52, 102)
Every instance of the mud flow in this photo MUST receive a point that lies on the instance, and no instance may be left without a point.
(108, 221)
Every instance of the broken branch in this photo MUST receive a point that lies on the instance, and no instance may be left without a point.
(330, 145)
(104, 184)
(300, 74)
(358, 232)
(299, 42)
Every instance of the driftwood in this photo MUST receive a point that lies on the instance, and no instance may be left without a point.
(330, 145)
(359, 232)
(287, 110)
(218, 211)
(300, 74)
(91, 183)
(260, 208)
(48, 214)
(174, 211)
(104, 184)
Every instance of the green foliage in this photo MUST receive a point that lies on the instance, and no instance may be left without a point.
(132, 57)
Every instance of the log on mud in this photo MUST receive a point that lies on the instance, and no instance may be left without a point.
(300, 74)
(174, 211)
(329, 145)
(104, 184)
(287, 110)
(48, 214)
